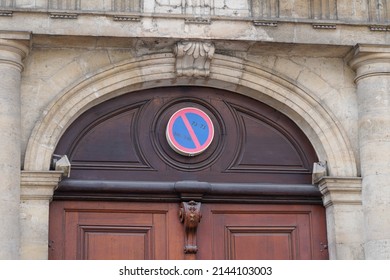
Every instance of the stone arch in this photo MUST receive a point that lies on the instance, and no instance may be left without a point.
(230, 73)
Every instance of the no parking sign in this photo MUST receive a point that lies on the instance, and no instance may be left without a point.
(190, 131)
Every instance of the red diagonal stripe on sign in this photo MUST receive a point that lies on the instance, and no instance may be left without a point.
(190, 130)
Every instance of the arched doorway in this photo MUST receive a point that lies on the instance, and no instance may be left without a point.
(251, 188)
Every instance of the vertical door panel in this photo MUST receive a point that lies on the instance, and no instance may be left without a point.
(262, 232)
(108, 230)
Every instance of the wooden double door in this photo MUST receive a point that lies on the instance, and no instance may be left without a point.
(131, 195)
(138, 231)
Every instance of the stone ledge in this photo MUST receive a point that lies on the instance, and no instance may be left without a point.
(147, 25)
(39, 185)
(341, 190)
(15, 35)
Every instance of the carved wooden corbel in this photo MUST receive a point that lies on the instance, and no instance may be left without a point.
(190, 216)
(193, 58)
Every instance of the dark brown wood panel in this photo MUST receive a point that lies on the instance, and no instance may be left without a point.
(96, 230)
(268, 232)
(123, 243)
(125, 139)
(260, 242)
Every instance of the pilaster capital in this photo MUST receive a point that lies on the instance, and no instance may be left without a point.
(341, 190)
(369, 60)
(39, 185)
(14, 47)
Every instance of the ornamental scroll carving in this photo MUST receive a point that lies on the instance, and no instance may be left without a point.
(190, 216)
(193, 59)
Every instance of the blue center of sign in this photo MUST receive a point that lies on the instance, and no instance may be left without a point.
(182, 130)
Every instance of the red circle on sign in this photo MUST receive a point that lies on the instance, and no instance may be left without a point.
(190, 131)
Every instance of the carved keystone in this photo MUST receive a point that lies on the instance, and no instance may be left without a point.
(193, 58)
(190, 216)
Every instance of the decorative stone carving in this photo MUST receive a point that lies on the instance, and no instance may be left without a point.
(197, 20)
(265, 23)
(194, 58)
(324, 26)
(6, 13)
(63, 15)
(190, 216)
(127, 18)
(380, 27)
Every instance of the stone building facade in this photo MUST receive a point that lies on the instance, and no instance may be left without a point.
(324, 64)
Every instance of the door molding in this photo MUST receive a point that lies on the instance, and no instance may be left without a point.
(72, 189)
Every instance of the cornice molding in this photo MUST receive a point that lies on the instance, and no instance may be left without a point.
(341, 190)
(39, 185)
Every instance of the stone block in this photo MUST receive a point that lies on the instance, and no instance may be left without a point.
(95, 5)
(294, 9)
(352, 10)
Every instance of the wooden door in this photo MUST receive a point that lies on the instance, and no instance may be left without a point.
(115, 231)
(262, 232)
(122, 200)
(146, 231)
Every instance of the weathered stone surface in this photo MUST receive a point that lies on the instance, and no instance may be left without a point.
(372, 64)
(11, 54)
(36, 193)
(343, 201)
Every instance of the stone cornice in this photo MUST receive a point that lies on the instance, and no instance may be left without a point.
(148, 25)
(341, 190)
(15, 35)
(39, 185)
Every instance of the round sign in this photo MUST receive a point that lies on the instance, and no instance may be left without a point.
(190, 131)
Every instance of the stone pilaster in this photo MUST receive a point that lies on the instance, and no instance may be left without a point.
(344, 216)
(36, 193)
(13, 49)
(372, 65)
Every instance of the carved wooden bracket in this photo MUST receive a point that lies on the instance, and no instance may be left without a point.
(193, 58)
(190, 215)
